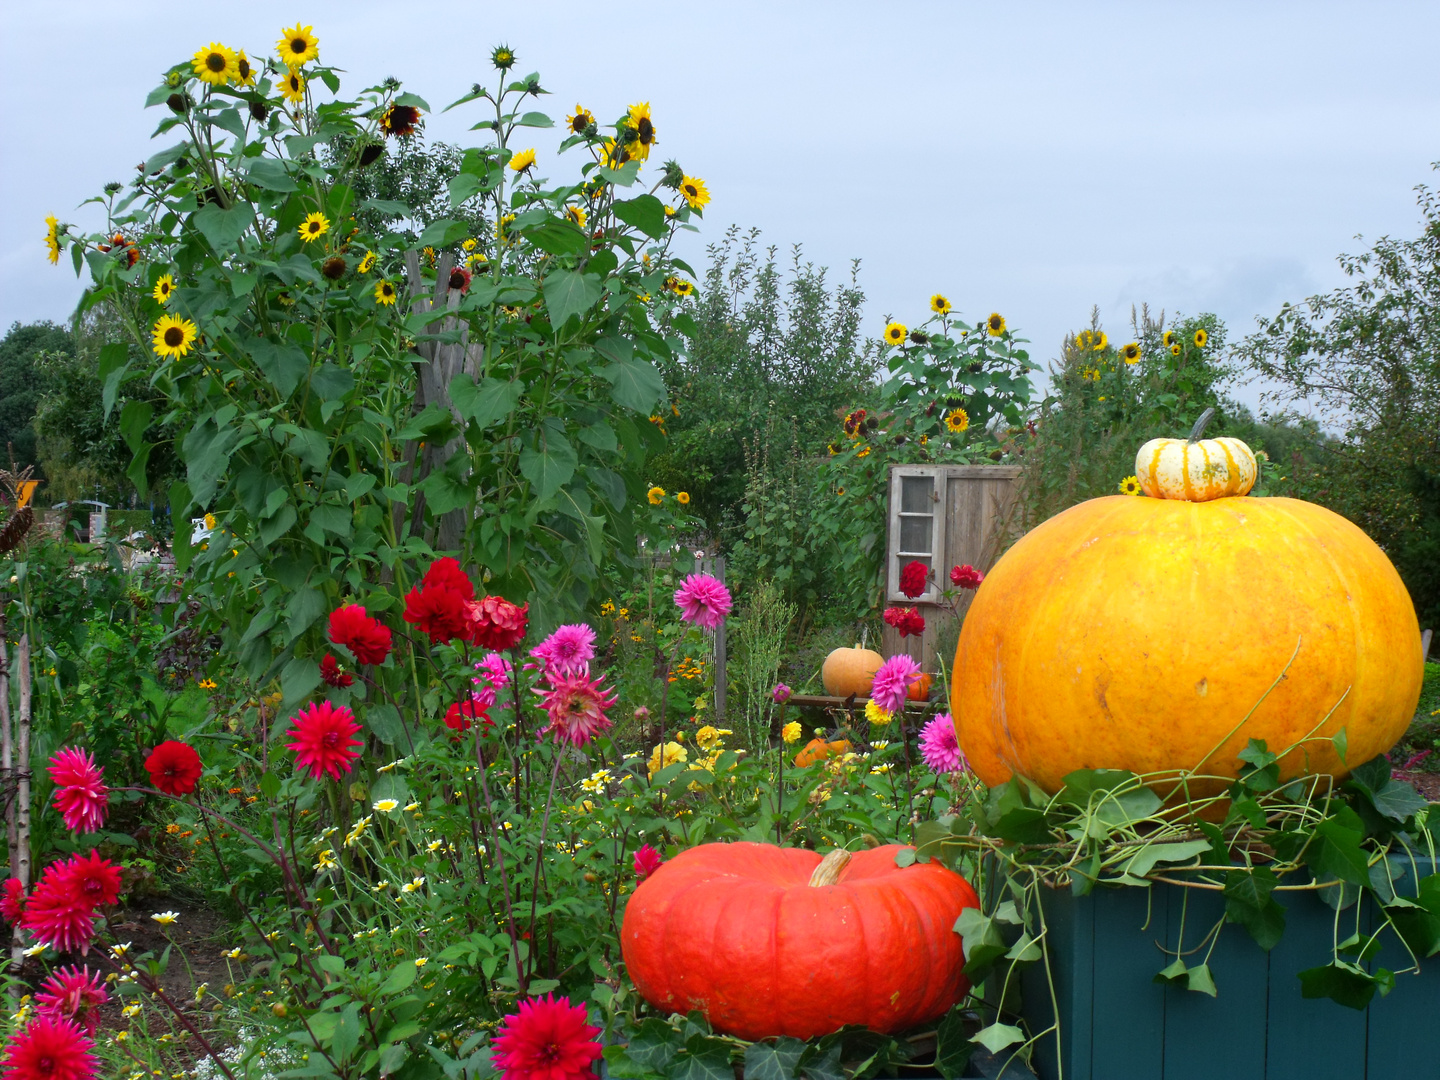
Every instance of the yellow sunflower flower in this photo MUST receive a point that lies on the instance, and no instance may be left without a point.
(367, 263)
(863, 452)
(172, 336)
(683, 498)
(613, 155)
(579, 120)
(1168, 338)
(471, 244)
(314, 227)
(1175, 349)
(995, 324)
(655, 495)
(1131, 352)
(695, 192)
(957, 420)
(638, 120)
(292, 86)
(575, 214)
(164, 289)
(298, 45)
(523, 160)
(1130, 486)
(52, 238)
(1100, 341)
(939, 305)
(896, 333)
(244, 70)
(1201, 337)
(215, 64)
(384, 293)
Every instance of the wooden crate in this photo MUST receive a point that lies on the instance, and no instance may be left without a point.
(1118, 1024)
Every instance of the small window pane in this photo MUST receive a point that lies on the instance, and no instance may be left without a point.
(915, 534)
(915, 495)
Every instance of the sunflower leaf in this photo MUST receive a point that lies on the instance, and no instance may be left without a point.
(223, 227)
(568, 293)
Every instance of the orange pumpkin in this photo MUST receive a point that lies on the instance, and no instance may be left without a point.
(919, 688)
(818, 750)
(769, 941)
(1142, 634)
(850, 671)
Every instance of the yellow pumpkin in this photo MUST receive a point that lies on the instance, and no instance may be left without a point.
(1196, 469)
(1140, 634)
(850, 671)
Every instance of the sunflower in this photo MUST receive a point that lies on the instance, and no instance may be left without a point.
(695, 192)
(216, 64)
(523, 160)
(1168, 338)
(582, 119)
(1131, 352)
(367, 263)
(470, 244)
(864, 452)
(995, 324)
(314, 227)
(638, 120)
(292, 87)
(939, 305)
(684, 288)
(655, 494)
(511, 311)
(52, 238)
(172, 336)
(956, 421)
(1130, 486)
(1090, 374)
(503, 57)
(683, 498)
(164, 289)
(613, 154)
(1201, 337)
(1175, 349)
(298, 45)
(834, 448)
(244, 70)
(575, 214)
(477, 260)
(384, 293)
(399, 121)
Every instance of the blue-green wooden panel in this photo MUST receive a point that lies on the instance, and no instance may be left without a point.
(1223, 1036)
(1400, 1042)
(1070, 929)
(1128, 1030)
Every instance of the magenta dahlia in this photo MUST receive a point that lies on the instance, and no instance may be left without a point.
(73, 993)
(703, 600)
(80, 793)
(323, 738)
(892, 682)
(49, 1048)
(547, 1039)
(940, 748)
(576, 704)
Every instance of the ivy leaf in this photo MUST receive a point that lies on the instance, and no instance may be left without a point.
(1172, 974)
(1390, 798)
(653, 1045)
(704, 1058)
(997, 1037)
(952, 1048)
(1342, 982)
(1145, 859)
(777, 1061)
(1337, 851)
(1199, 980)
(1249, 903)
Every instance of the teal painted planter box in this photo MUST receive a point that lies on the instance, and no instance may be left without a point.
(1118, 1024)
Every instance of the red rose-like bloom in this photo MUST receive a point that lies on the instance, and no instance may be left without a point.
(331, 675)
(647, 861)
(12, 901)
(80, 793)
(966, 577)
(496, 623)
(437, 611)
(459, 715)
(368, 638)
(174, 768)
(324, 740)
(913, 577)
(446, 574)
(548, 1039)
(73, 993)
(61, 912)
(49, 1048)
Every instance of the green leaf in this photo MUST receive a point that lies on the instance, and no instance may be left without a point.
(559, 238)
(306, 606)
(134, 422)
(271, 174)
(299, 677)
(223, 227)
(1337, 851)
(1342, 982)
(549, 467)
(487, 403)
(331, 382)
(387, 207)
(1171, 974)
(905, 857)
(704, 1058)
(1390, 798)
(1145, 859)
(997, 1037)
(1249, 903)
(635, 384)
(282, 363)
(113, 364)
(440, 233)
(654, 1044)
(1023, 825)
(415, 100)
(1200, 980)
(384, 721)
(569, 293)
(1341, 742)
(535, 120)
(952, 1048)
(766, 1061)
(401, 977)
(645, 212)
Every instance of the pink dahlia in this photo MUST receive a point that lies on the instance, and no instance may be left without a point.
(80, 793)
(647, 861)
(49, 1048)
(703, 601)
(576, 704)
(547, 1039)
(780, 694)
(892, 681)
(61, 911)
(73, 993)
(966, 577)
(12, 901)
(496, 623)
(324, 740)
(940, 748)
(569, 647)
(914, 576)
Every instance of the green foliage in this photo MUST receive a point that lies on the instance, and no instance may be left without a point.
(23, 379)
(759, 635)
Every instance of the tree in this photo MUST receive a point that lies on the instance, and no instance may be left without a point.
(23, 382)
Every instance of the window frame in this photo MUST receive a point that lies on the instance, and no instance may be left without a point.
(893, 554)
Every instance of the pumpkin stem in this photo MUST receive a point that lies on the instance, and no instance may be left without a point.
(1200, 425)
(830, 868)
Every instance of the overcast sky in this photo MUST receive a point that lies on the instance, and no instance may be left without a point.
(1032, 159)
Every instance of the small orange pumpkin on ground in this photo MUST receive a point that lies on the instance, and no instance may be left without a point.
(769, 941)
(850, 671)
(818, 750)
(919, 688)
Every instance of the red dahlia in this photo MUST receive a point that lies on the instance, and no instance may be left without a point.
(12, 901)
(496, 623)
(331, 673)
(966, 577)
(446, 574)
(908, 621)
(324, 740)
(366, 637)
(437, 611)
(49, 1048)
(548, 1039)
(174, 768)
(61, 911)
(913, 578)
